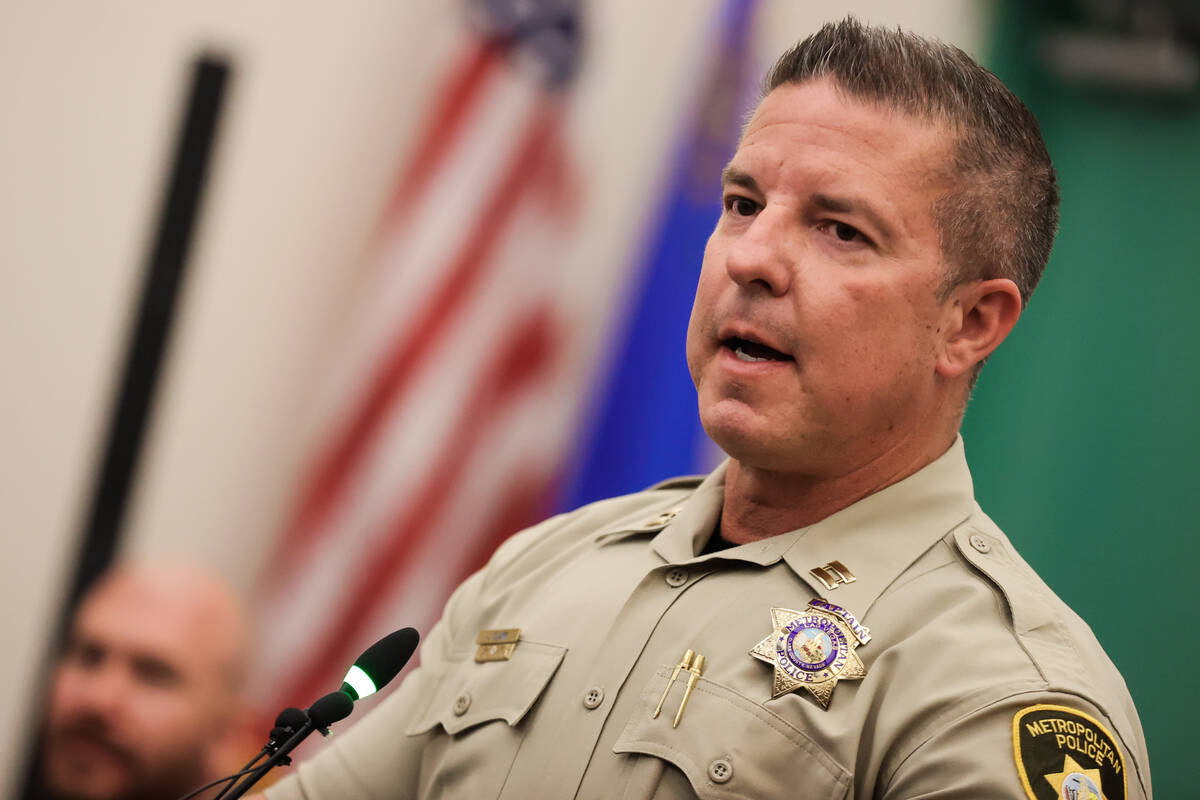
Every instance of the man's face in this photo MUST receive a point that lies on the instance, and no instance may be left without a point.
(816, 323)
(138, 697)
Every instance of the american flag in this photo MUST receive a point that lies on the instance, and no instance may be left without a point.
(460, 401)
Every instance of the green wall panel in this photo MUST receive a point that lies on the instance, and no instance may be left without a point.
(1083, 432)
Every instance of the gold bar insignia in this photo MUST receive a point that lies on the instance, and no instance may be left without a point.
(496, 645)
(833, 575)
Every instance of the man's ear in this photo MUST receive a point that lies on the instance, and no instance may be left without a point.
(980, 315)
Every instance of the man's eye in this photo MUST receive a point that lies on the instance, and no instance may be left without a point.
(740, 206)
(84, 654)
(155, 672)
(847, 233)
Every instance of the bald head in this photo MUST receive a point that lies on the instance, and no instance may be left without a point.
(189, 607)
(146, 689)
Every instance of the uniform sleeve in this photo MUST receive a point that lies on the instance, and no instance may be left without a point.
(374, 759)
(1032, 745)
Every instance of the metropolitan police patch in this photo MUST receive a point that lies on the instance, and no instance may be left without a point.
(1064, 754)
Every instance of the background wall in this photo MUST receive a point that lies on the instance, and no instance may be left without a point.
(1083, 432)
(91, 95)
(1080, 434)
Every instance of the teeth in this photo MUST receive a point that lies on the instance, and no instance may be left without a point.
(744, 356)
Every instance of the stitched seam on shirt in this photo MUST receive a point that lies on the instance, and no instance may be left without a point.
(657, 748)
(937, 728)
(895, 582)
(998, 593)
(1035, 590)
(1006, 606)
(796, 736)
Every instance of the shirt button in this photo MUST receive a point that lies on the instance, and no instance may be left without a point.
(676, 577)
(593, 697)
(720, 771)
(462, 703)
(980, 544)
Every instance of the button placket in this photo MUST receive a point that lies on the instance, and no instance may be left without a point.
(640, 613)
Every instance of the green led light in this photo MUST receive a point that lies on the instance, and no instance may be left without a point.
(360, 681)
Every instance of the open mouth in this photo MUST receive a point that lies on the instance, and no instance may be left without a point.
(747, 350)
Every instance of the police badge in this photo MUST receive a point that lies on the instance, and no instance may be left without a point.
(813, 649)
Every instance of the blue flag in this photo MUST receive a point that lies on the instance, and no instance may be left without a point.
(645, 426)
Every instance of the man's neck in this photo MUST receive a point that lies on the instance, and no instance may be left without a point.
(760, 503)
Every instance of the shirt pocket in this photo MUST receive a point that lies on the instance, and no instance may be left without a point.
(474, 718)
(727, 746)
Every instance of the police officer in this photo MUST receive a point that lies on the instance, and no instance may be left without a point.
(829, 613)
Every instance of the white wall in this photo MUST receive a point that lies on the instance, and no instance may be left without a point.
(322, 106)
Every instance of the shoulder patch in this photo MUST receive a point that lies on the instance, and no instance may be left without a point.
(1064, 754)
(683, 482)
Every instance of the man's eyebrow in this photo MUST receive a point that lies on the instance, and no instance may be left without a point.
(845, 205)
(739, 177)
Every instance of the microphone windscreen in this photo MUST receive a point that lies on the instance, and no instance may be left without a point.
(331, 708)
(380, 662)
(288, 722)
(290, 718)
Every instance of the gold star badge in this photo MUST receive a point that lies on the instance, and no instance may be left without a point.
(1079, 782)
(813, 649)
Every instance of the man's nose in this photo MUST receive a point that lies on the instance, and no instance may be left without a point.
(761, 257)
(103, 690)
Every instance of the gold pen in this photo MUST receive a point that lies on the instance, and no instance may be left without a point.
(695, 669)
(684, 663)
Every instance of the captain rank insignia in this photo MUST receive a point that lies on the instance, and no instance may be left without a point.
(496, 645)
(813, 649)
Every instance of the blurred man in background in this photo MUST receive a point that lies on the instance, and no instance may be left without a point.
(145, 699)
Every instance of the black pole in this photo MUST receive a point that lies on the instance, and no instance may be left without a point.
(162, 279)
(161, 283)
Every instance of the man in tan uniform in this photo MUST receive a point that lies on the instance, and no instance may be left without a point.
(829, 614)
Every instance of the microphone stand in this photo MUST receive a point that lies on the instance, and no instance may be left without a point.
(280, 756)
(329, 709)
(378, 664)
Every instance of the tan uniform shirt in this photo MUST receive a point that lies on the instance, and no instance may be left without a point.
(963, 637)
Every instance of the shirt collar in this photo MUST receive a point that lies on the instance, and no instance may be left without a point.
(877, 538)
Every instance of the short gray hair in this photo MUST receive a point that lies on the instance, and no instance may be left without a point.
(999, 217)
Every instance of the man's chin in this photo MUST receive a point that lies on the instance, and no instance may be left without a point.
(97, 785)
(87, 768)
(87, 784)
(744, 435)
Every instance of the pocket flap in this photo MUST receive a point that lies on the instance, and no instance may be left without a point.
(471, 693)
(762, 754)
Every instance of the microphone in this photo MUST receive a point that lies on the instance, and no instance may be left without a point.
(371, 671)
(379, 663)
(333, 707)
(288, 722)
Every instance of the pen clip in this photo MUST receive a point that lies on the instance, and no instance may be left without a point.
(684, 663)
(695, 669)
